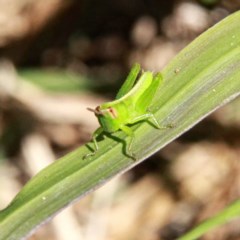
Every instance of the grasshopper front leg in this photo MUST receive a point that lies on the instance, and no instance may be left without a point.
(96, 133)
(100, 130)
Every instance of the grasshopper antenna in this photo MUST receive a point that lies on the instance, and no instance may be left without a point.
(96, 111)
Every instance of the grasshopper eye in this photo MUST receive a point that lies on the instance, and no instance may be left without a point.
(113, 112)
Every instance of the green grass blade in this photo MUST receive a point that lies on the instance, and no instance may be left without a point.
(201, 78)
(229, 212)
(55, 80)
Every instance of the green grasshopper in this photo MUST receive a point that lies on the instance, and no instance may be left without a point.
(131, 106)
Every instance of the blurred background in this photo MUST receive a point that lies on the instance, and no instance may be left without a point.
(59, 57)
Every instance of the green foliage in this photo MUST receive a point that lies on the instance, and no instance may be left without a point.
(224, 216)
(201, 78)
(56, 80)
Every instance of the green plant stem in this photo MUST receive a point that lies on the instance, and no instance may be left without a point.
(230, 212)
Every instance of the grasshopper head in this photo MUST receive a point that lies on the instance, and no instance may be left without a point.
(107, 112)
(107, 117)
